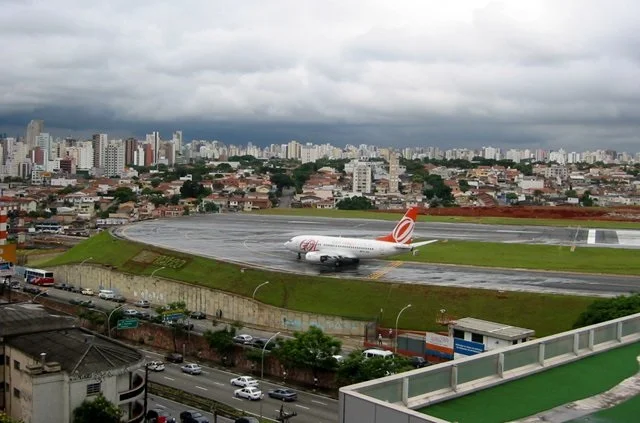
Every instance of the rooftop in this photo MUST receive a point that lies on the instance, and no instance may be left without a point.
(497, 330)
(80, 352)
(22, 318)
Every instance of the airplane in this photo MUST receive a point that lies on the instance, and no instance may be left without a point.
(338, 250)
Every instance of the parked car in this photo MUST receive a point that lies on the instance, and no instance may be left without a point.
(243, 339)
(86, 291)
(156, 366)
(198, 315)
(118, 298)
(106, 294)
(192, 369)
(174, 358)
(130, 312)
(250, 392)
(75, 289)
(283, 394)
(244, 381)
(158, 415)
(192, 416)
(142, 303)
(418, 362)
(62, 286)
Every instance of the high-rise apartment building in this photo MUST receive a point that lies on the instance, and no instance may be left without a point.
(155, 140)
(177, 140)
(34, 128)
(394, 172)
(130, 147)
(99, 146)
(293, 150)
(114, 159)
(309, 153)
(362, 178)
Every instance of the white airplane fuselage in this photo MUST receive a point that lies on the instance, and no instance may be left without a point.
(360, 248)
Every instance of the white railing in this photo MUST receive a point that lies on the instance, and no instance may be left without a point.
(419, 388)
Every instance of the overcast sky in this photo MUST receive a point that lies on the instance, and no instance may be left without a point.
(518, 73)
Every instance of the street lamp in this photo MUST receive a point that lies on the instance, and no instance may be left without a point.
(158, 269)
(258, 287)
(33, 300)
(395, 348)
(262, 363)
(109, 319)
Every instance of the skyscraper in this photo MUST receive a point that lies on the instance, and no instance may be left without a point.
(99, 146)
(362, 178)
(154, 139)
(34, 128)
(394, 180)
(114, 159)
(130, 147)
(177, 140)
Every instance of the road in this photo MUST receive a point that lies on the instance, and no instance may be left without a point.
(257, 240)
(214, 383)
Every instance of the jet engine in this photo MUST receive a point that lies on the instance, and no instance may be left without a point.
(316, 257)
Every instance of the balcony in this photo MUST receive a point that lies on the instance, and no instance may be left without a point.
(137, 389)
(137, 411)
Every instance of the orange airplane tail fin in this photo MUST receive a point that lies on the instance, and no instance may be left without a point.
(403, 232)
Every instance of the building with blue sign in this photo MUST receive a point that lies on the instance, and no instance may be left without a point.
(472, 336)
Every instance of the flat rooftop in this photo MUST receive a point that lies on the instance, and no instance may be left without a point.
(80, 352)
(497, 330)
(26, 317)
(543, 391)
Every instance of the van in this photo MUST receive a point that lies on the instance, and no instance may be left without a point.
(377, 353)
(106, 294)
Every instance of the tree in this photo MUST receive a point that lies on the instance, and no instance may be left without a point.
(586, 199)
(222, 341)
(6, 419)
(175, 199)
(311, 349)
(512, 197)
(97, 410)
(191, 189)
(355, 203)
(438, 190)
(282, 180)
(607, 309)
(210, 207)
(357, 368)
(177, 325)
(464, 185)
(155, 182)
(124, 194)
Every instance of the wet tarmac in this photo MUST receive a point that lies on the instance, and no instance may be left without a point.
(257, 240)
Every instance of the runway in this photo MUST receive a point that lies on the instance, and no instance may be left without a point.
(257, 240)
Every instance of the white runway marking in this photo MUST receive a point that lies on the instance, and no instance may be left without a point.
(514, 231)
(591, 239)
(200, 387)
(302, 222)
(628, 237)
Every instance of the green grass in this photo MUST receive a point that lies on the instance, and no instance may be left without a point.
(626, 412)
(355, 299)
(357, 214)
(543, 391)
(529, 256)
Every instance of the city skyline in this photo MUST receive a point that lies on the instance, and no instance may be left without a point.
(473, 73)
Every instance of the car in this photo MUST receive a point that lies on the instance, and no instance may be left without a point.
(250, 392)
(244, 381)
(242, 339)
(283, 394)
(418, 362)
(75, 301)
(106, 294)
(198, 315)
(62, 286)
(145, 315)
(87, 303)
(142, 303)
(86, 291)
(75, 289)
(192, 369)
(156, 366)
(192, 416)
(118, 298)
(174, 358)
(158, 415)
(129, 312)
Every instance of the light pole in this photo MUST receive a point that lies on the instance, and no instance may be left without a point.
(262, 363)
(258, 287)
(109, 319)
(81, 263)
(395, 348)
(33, 300)
(158, 269)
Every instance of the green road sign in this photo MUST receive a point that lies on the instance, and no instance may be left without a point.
(127, 324)
(173, 315)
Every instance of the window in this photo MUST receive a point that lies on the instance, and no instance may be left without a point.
(93, 388)
(2, 358)
(7, 360)
(476, 337)
(16, 392)
(515, 341)
(16, 364)
(457, 333)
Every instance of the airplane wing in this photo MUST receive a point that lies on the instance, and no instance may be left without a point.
(330, 256)
(415, 244)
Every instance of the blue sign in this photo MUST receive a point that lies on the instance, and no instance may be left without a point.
(463, 347)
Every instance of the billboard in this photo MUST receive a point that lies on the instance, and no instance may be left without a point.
(460, 346)
(439, 345)
(8, 253)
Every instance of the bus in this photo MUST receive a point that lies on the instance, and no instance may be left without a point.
(38, 277)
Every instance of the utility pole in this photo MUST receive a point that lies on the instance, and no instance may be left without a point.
(146, 389)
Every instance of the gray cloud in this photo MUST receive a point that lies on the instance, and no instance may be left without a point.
(469, 73)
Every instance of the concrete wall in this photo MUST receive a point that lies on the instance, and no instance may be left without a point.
(163, 291)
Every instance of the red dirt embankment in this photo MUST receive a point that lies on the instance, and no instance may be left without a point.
(622, 214)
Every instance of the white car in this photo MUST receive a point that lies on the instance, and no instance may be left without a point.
(192, 369)
(156, 366)
(87, 291)
(251, 393)
(142, 303)
(244, 381)
(243, 339)
(130, 312)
